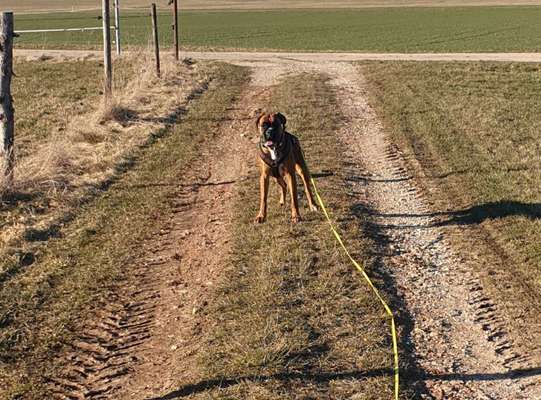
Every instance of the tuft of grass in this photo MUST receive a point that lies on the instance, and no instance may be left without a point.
(87, 259)
(293, 319)
(400, 29)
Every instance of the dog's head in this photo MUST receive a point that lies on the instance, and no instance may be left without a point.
(271, 127)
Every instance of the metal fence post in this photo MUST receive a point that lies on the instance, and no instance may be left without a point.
(155, 36)
(7, 118)
(117, 27)
(175, 27)
(107, 64)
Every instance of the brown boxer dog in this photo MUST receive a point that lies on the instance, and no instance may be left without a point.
(280, 156)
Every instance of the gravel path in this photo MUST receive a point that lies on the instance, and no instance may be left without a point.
(288, 57)
(458, 333)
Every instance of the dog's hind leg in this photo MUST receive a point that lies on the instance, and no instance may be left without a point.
(302, 170)
(283, 189)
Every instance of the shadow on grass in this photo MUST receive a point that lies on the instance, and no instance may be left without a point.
(485, 171)
(179, 184)
(469, 216)
(224, 383)
(411, 372)
(13, 199)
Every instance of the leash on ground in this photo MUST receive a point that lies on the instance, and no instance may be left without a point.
(360, 268)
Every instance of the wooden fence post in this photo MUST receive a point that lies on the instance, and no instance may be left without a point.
(107, 64)
(7, 118)
(155, 35)
(117, 27)
(175, 27)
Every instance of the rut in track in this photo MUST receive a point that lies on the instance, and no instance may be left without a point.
(201, 238)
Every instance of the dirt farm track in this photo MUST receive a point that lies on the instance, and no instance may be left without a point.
(284, 57)
(462, 337)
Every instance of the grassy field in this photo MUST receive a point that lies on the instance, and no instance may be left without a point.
(46, 100)
(462, 29)
(71, 5)
(476, 130)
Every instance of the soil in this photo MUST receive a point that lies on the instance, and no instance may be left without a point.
(457, 330)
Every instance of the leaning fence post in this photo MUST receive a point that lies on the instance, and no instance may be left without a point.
(107, 64)
(7, 118)
(155, 36)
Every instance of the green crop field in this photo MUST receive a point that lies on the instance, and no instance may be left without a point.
(459, 29)
(71, 5)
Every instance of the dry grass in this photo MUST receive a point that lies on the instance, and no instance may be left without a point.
(83, 151)
(63, 160)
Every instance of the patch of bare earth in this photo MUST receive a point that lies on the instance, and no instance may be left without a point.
(290, 59)
(28, 6)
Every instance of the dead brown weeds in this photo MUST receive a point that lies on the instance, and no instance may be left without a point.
(59, 169)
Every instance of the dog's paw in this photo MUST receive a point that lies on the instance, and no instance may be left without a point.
(314, 208)
(259, 219)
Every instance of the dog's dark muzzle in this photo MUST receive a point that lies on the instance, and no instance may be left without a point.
(271, 136)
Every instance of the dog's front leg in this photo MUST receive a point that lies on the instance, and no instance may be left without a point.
(292, 185)
(263, 193)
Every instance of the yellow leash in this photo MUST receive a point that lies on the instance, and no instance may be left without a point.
(374, 289)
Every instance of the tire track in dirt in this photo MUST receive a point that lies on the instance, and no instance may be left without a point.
(201, 239)
(144, 343)
(459, 333)
(102, 358)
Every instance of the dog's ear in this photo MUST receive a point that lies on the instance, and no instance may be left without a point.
(282, 119)
(258, 119)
